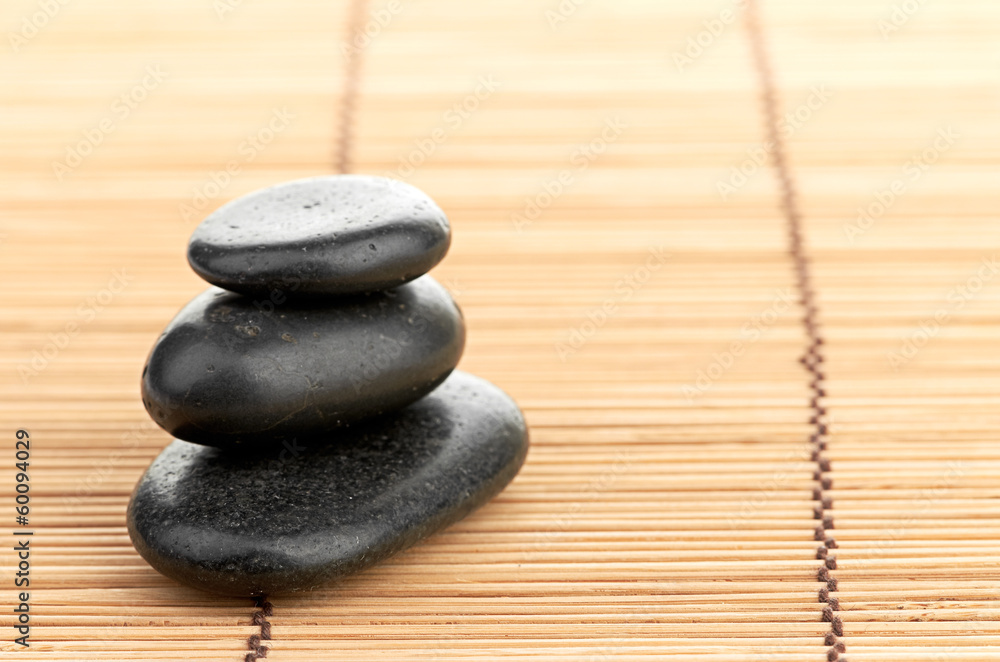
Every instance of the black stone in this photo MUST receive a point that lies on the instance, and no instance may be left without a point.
(229, 371)
(245, 524)
(343, 234)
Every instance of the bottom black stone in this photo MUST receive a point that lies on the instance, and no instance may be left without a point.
(242, 524)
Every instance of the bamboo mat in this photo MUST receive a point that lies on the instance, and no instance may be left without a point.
(620, 279)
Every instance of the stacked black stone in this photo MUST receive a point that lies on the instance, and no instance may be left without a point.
(320, 426)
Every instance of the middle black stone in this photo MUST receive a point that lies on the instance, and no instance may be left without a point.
(231, 372)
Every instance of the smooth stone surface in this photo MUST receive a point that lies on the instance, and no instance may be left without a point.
(259, 524)
(342, 234)
(228, 371)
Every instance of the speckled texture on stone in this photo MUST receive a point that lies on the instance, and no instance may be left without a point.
(250, 524)
(228, 371)
(341, 234)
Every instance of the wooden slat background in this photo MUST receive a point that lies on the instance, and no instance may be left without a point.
(648, 522)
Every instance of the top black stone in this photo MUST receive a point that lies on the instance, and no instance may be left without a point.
(335, 235)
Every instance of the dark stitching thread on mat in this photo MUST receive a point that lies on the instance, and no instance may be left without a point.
(349, 94)
(264, 611)
(812, 360)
